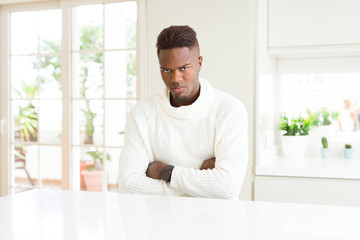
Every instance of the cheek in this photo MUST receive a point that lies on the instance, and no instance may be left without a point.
(190, 77)
(165, 78)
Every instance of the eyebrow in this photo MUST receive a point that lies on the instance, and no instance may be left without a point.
(187, 64)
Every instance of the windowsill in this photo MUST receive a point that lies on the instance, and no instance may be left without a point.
(271, 162)
(308, 166)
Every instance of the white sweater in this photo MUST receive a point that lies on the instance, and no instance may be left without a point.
(215, 125)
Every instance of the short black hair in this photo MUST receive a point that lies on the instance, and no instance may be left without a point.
(176, 37)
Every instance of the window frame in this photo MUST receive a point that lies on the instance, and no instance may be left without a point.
(66, 144)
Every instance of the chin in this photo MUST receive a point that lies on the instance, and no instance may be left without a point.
(180, 98)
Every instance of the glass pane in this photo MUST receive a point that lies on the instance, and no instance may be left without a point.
(36, 37)
(25, 115)
(50, 31)
(87, 75)
(87, 27)
(115, 118)
(91, 167)
(50, 74)
(325, 97)
(24, 77)
(50, 120)
(88, 122)
(120, 25)
(112, 168)
(120, 74)
(25, 165)
(24, 32)
(50, 166)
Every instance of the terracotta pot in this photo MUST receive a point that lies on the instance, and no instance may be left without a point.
(93, 180)
(83, 166)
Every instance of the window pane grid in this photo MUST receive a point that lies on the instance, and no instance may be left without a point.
(35, 49)
(98, 146)
(122, 46)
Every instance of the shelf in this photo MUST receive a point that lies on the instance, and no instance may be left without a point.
(309, 167)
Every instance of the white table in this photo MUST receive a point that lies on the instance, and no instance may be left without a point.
(51, 214)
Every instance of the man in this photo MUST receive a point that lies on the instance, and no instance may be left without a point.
(188, 139)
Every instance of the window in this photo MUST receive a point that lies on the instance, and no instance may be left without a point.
(322, 90)
(93, 80)
(104, 87)
(317, 85)
(36, 98)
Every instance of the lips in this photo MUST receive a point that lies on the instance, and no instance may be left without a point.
(178, 89)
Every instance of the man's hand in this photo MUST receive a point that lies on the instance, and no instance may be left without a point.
(154, 169)
(208, 164)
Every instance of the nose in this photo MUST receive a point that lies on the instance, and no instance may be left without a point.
(176, 76)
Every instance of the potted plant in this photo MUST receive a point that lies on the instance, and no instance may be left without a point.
(325, 151)
(26, 120)
(348, 153)
(84, 164)
(90, 39)
(294, 139)
(321, 121)
(93, 174)
(26, 123)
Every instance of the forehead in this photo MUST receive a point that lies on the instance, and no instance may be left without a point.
(177, 57)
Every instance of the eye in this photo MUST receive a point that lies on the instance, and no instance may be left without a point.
(166, 70)
(184, 68)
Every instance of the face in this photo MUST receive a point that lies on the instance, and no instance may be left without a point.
(180, 69)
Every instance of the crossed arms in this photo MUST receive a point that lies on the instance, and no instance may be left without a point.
(155, 168)
(219, 177)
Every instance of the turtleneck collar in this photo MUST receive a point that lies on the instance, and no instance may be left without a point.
(192, 111)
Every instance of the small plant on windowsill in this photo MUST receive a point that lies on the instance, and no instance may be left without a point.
(348, 152)
(325, 151)
(294, 137)
(322, 121)
(294, 127)
(93, 174)
(323, 117)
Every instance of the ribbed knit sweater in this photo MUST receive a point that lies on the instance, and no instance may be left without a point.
(215, 125)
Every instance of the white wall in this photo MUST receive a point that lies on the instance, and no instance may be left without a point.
(226, 36)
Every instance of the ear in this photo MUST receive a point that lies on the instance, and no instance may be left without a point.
(200, 60)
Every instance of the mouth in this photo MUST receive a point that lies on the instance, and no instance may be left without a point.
(178, 89)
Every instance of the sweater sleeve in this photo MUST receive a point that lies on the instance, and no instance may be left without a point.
(134, 160)
(231, 153)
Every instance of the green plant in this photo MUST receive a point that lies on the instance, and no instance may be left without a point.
(97, 156)
(322, 117)
(314, 117)
(90, 39)
(26, 119)
(27, 90)
(324, 142)
(348, 146)
(26, 122)
(294, 127)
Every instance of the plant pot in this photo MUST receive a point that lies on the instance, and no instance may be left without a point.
(348, 153)
(324, 131)
(294, 146)
(348, 163)
(93, 180)
(325, 153)
(325, 162)
(83, 166)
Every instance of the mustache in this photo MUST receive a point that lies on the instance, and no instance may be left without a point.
(176, 85)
